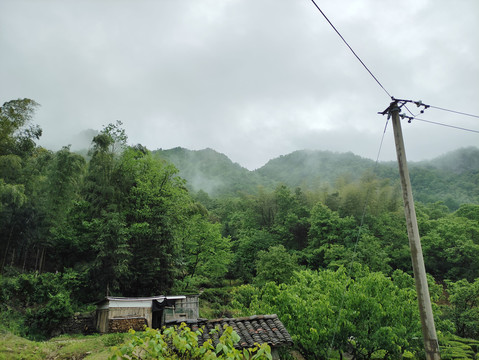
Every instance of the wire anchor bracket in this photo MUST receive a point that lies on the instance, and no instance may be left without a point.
(397, 104)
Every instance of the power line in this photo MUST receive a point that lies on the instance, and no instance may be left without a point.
(453, 111)
(411, 118)
(402, 102)
(426, 106)
(350, 48)
(418, 103)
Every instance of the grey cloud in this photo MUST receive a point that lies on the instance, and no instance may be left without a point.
(251, 79)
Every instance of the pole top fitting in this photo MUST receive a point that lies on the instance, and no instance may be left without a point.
(391, 108)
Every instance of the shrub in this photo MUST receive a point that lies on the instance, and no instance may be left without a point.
(182, 343)
(114, 339)
(45, 319)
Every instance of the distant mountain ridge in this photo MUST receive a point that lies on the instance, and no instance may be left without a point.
(452, 178)
(211, 171)
(307, 167)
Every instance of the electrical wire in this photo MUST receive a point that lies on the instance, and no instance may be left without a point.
(441, 124)
(413, 117)
(426, 106)
(350, 48)
(418, 103)
(453, 111)
(402, 103)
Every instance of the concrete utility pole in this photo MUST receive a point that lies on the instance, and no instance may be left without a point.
(424, 300)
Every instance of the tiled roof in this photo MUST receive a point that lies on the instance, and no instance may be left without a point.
(253, 329)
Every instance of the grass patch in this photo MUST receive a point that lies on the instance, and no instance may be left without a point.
(89, 347)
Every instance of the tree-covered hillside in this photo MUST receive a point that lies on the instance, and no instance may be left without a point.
(211, 171)
(331, 259)
(309, 169)
(452, 179)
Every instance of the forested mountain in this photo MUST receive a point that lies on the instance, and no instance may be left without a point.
(452, 178)
(212, 172)
(309, 168)
(294, 237)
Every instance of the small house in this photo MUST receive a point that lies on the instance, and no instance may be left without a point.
(119, 314)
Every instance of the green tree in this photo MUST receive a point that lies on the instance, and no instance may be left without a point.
(245, 250)
(370, 195)
(41, 301)
(291, 222)
(99, 188)
(389, 231)
(155, 204)
(328, 232)
(464, 309)
(451, 248)
(17, 133)
(12, 200)
(468, 211)
(110, 268)
(20, 215)
(381, 318)
(11, 168)
(371, 252)
(275, 265)
(103, 226)
(367, 315)
(203, 253)
(117, 137)
(61, 189)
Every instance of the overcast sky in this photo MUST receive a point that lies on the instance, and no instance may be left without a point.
(253, 79)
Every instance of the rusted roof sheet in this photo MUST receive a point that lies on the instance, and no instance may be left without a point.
(118, 301)
(253, 329)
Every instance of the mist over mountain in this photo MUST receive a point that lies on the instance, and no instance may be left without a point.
(212, 172)
(459, 161)
(452, 178)
(308, 168)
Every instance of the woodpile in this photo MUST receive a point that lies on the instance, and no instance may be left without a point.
(123, 324)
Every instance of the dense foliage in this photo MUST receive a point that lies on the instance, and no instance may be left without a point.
(452, 178)
(331, 258)
(362, 315)
(182, 343)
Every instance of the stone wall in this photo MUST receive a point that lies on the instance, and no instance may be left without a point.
(126, 323)
(79, 324)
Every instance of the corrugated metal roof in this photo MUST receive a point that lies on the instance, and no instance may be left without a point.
(129, 300)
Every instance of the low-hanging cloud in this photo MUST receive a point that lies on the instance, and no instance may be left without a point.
(251, 79)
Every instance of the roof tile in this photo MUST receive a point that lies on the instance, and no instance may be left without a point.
(253, 329)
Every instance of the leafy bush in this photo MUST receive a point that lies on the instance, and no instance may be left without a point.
(182, 343)
(216, 303)
(39, 302)
(216, 295)
(11, 321)
(276, 265)
(45, 319)
(324, 311)
(30, 289)
(464, 308)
